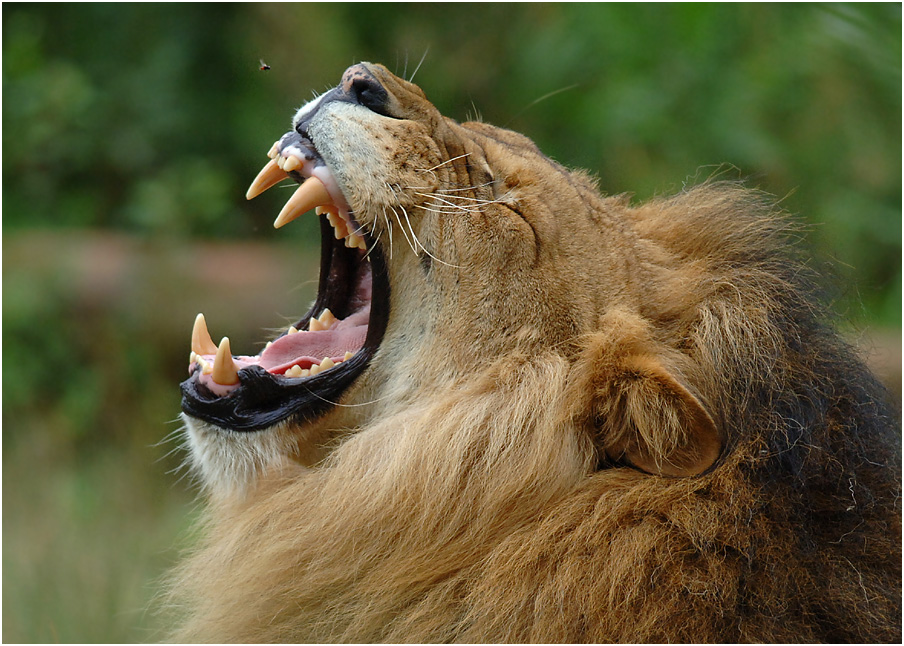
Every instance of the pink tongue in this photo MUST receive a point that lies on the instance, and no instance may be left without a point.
(305, 348)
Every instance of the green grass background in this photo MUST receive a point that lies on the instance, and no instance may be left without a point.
(130, 133)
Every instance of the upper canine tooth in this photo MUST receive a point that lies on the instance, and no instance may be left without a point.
(201, 343)
(271, 175)
(310, 194)
(225, 372)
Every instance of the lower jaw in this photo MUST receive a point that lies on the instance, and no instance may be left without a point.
(263, 399)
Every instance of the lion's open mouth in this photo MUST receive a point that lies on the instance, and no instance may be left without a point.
(304, 371)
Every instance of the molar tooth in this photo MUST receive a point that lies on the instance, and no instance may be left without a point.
(225, 372)
(201, 343)
(354, 240)
(348, 355)
(271, 175)
(310, 194)
(294, 371)
(327, 363)
(327, 318)
(315, 369)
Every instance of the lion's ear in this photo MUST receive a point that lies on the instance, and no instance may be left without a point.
(635, 396)
(646, 417)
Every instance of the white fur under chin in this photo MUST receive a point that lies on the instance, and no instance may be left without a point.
(229, 463)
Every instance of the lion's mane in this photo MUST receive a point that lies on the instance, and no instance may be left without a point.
(458, 517)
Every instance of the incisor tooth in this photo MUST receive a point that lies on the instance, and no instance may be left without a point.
(201, 343)
(292, 162)
(274, 150)
(271, 175)
(224, 371)
(310, 194)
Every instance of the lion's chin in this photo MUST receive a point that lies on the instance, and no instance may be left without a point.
(304, 372)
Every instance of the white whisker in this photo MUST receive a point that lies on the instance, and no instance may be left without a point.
(411, 80)
(430, 170)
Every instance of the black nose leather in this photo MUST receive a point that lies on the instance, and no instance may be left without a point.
(357, 86)
(362, 87)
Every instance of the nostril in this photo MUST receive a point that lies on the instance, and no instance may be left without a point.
(370, 94)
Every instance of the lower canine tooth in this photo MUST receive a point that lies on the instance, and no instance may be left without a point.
(225, 372)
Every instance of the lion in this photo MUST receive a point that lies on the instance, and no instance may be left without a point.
(523, 411)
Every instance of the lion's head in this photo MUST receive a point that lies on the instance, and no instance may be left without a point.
(445, 247)
(517, 406)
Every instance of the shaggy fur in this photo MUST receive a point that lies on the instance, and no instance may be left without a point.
(649, 434)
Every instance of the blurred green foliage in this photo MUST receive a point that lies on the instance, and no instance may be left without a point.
(146, 122)
(152, 118)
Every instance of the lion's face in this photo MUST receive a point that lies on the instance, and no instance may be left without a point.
(444, 247)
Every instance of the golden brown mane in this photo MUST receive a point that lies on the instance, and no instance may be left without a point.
(704, 461)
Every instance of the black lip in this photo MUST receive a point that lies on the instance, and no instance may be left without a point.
(263, 399)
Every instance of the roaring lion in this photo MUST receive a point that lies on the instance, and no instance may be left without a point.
(520, 411)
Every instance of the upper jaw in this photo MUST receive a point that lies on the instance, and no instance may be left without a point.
(289, 379)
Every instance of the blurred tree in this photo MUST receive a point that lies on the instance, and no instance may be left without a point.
(152, 118)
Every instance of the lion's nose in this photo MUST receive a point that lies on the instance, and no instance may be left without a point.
(360, 86)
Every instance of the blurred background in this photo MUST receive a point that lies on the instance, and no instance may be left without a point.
(131, 132)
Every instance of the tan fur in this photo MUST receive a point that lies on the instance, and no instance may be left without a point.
(588, 421)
